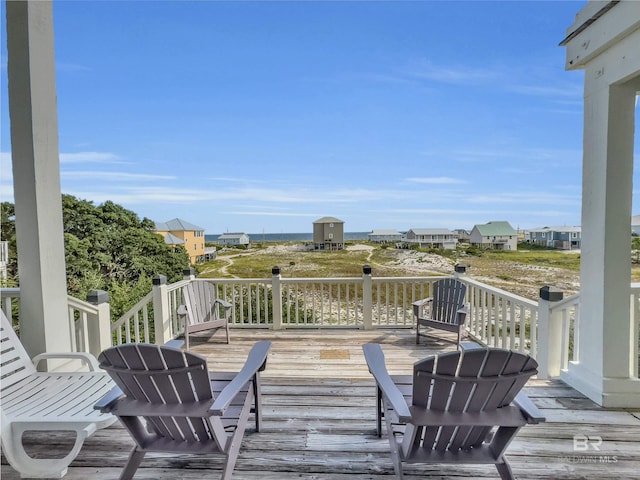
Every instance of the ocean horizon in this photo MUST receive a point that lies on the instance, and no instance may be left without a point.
(289, 237)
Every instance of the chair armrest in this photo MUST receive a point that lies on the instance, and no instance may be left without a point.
(223, 303)
(375, 361)
(254, 363)
(108, 400)
(418, 305)
(87, 358)
(528, 408)
(175, 343)
(470, 346)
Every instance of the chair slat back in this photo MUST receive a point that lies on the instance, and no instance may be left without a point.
(448, 298)
(15, 363)
(199, 297)
(161, 375)
(472, 381)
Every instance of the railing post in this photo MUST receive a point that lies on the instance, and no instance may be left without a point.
(460, 270)
(189, 273)
(276, 297)
(161, 314)
(549, 354)
(99, 326)
(367, 298)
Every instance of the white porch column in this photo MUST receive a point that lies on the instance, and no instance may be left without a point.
(606, 47)
(36, 177)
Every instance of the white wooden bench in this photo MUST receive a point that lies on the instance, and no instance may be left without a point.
(32, 400)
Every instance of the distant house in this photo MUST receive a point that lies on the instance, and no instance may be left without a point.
(385, 236)
(237, 238)
(495, 236)
(210, 253)
(432, 238)
(464, 236)
(181, 232)
(328, 234)
(563, 238)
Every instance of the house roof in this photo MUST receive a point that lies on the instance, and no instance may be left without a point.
(556, 229)
(177, 225)
(495, 229)
(431, 231)
(230, 235)
(385, 232)
(171, 239)
(328, 220)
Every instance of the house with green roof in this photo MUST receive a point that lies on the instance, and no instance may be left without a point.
(494, 236)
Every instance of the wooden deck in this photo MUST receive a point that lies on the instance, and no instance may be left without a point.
(319, 421)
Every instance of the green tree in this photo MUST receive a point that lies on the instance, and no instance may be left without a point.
(109, 247)
(8, 234)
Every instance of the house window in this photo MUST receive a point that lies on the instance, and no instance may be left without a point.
(330, 235)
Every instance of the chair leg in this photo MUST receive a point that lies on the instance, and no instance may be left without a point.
(257, 401)
(135, 458)
(30, 467)
(395, 450)
(417, 333)
(233, 448)
(504, 469)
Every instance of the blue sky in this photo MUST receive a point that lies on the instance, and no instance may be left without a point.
(265, 116)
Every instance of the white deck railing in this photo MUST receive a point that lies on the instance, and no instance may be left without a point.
(498, 318)
(547, 330)
(566, 313)
(88, 323)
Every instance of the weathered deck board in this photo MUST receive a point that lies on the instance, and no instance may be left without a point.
(319, 421)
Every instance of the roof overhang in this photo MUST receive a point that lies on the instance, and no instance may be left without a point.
(598, 26)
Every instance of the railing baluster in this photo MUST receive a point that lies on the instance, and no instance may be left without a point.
(564, 346)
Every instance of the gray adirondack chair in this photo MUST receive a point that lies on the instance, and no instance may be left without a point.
(203, 310)
(169, 402)
(458, 407)
(444, 310)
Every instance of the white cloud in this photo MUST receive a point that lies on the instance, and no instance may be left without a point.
(545, 90)
(274, 214)
(114, 176)
(147, 194)
(90, 157)
(451, 74)
(530, 198)
(436, 180)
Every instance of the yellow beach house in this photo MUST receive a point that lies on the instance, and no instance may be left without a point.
(181, 232)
